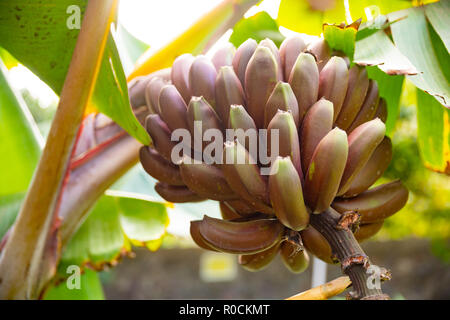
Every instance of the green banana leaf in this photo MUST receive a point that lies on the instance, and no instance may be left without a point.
(90, 289)
(412, 36)
(258, 27)
(307, 16)
(130, 48)
(437, 15)
(117, 221)
(341, 38)
(9, 207)
(21, 142)
(38, 35)
(378, 50)
(433, 133)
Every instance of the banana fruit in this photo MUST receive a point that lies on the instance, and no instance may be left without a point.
(322, 179)
(247, 237)
(375, 204)
(286, 196)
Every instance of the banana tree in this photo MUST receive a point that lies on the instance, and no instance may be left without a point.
(104, 125)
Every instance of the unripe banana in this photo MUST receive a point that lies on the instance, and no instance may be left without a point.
(246, 237)
(322, 179)
(373, 169)
(180, 75)
(358, 83)
(362, 142)
(288, 144)
(223, 56)
(282, 98)
(382, 110)
(242, 57)
(160, 134)
(152, 92)
(159, 168)
(294, 259)
(286, 196)
(196, 236)
(304, 81)
(177, 194)
(321, 51)
(258, 261)
(228, 212)
(316, 244)
(377, 203)
(173, 109)
(228, 91)
(136, 87)
(369, 107)
(289, 50)
(367, 231)
(333, 83)
(317, 123)
(205, 180)
(202, 79)
(241, 207)
(136, 90)
(268, 43)
(243, 176)
(201, 117)
(260, 79)
(239, 119)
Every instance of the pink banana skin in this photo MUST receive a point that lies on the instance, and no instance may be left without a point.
(260, 80)
(286, 195)
(268, 43)
(223, 56)
(228, 91)
(259, 261)
(202, 78)
(160, 134)
(152, 92)
(246, 237)
(205, 180)
(180, 75)
(322, 180)
(177, 194)
(368, 109)
(173, 109)
(333, 83)
(282, 98)
(304, 81)
(362, 142)
(159, 168)
(373, 169)
(316, 124)
(242, 57)
(290, 48)
(358, 84)
(375, 204)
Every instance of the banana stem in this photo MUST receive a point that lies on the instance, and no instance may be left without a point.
(347, 250)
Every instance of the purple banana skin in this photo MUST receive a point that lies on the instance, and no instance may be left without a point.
(329, 148)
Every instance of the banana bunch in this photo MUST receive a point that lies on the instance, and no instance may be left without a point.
(332, 146)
